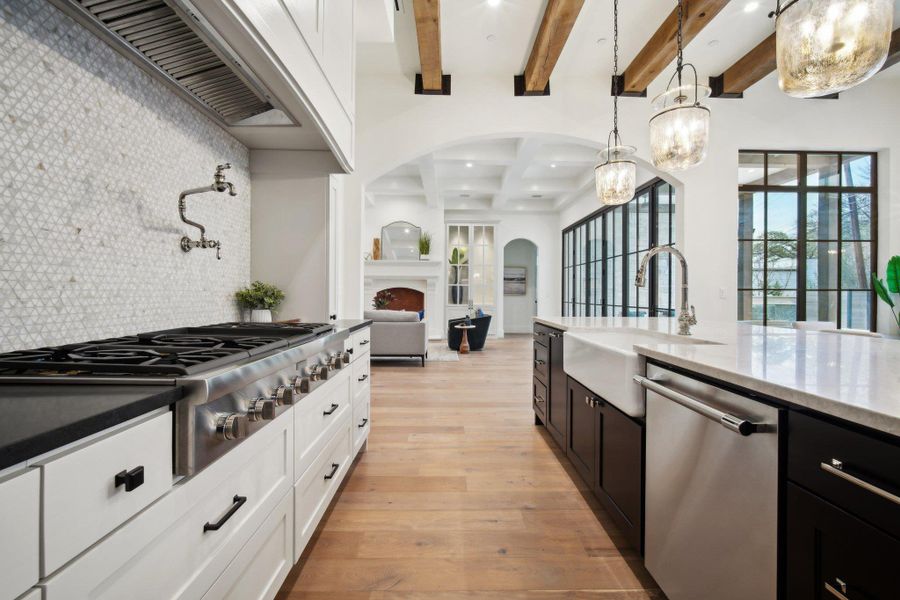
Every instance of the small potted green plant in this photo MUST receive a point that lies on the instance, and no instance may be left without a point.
(425, 246)
(889, 287)
(260, 299)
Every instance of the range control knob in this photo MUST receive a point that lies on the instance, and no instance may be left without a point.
(335, 361)
(283, 395)
(231, 426)
(346, 356)
(262, 409)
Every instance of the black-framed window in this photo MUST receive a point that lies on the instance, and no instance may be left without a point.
(602, 252)
(807, 237)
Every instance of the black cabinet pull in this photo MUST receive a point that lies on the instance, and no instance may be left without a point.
(132, 479)
(334, 407)
(364, 342)
(334, 468)
(363, 377)
(349, 350)
(538, 362)
(238, 501)
(363, 423)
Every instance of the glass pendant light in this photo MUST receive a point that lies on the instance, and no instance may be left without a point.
(615, 175)
(827, 46)
(679, 127)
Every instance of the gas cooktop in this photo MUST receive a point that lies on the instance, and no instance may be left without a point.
(168, 354)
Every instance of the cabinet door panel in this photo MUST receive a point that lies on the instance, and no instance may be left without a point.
(557, 415)
(307, 16)
(339, 49)
(620, 477)
(539, 399)
(827, 547)
(582, 445)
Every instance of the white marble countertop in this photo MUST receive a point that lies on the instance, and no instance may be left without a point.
(852, 377)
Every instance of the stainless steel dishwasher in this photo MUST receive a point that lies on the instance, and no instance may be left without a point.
(711, 507)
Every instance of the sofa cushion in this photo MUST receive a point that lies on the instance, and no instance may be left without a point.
(392, 316)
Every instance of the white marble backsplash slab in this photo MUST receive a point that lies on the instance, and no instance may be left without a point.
(93, 155)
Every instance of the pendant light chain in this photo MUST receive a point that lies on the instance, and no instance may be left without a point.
(679, 65)
(616, 72)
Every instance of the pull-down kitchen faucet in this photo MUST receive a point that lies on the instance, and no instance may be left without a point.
(686, 317)
(219, 185)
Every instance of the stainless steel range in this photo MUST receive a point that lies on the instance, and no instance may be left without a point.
(237, 376)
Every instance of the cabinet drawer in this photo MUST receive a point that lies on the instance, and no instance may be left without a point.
(541, 362)
(542, 334)
(317, 417)
(361, 343)
(359, 376)
(92, 490)
(262, 565)
(19, 532)
(361, 411)
(173, 549)
(827, 547)
(539, 398)
(864, 466)
(317, 487)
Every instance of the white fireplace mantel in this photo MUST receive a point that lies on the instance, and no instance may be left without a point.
(420, 275)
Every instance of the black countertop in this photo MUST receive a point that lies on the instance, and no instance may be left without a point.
(38, 418)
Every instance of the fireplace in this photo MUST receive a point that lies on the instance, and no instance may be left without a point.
(405, 299)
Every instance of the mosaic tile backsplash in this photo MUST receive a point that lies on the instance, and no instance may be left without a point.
(93, 155)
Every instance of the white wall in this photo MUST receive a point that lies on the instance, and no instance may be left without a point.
(395, 126)
(518, 310)
(289, 225)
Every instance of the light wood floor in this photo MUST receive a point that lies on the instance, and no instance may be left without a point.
(460, 495)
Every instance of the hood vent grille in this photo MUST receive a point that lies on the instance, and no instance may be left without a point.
(165, 41)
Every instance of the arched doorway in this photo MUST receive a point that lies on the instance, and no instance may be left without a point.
(519, 285)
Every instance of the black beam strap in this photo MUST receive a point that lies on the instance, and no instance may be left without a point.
(444, 91)
(620, 79)
(717, 85)
(519, 87)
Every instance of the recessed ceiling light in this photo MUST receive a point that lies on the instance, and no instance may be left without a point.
(750, 7)
(406, 230)
(537, 196)
(469, 165)
(493, 2)
(552, 165)
(491, 37)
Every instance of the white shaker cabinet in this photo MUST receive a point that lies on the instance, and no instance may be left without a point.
(19, 532)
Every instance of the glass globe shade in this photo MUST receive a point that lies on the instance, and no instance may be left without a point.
(827, 46)
(615, 177)
(679, 129)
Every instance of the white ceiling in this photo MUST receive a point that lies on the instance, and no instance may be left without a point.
(480, 39)
(531, 173)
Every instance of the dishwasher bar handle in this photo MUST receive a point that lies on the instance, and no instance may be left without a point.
(729, 421)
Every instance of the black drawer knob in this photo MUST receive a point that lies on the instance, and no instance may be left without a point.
(132, 479)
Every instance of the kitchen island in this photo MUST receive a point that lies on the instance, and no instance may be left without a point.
(739, 445)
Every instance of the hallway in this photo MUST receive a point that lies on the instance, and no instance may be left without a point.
(461, 496)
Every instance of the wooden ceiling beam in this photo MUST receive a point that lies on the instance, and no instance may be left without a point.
(428, 34)
(751, 67)
(556, 25)
(894, 51)
(662, 47)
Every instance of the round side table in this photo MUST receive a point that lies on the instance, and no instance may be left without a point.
(464, 344)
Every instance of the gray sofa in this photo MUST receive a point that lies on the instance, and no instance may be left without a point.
(398, 333)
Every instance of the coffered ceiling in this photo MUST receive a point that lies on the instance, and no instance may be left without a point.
(530, 173)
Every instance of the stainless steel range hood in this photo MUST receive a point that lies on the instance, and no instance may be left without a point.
(172, 43)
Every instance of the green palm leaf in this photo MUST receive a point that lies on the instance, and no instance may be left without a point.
(882, 291)
(893, 275)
